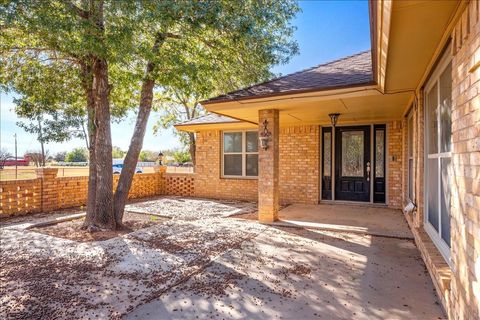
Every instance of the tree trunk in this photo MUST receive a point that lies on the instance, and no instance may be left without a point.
(136, 143)
(40, 138)
(100, 205)
(192, 146)
(87, 82)
(101, 213)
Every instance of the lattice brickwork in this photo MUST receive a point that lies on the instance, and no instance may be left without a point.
(180, 184)
(20, 196)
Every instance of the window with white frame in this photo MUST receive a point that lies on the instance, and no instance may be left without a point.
(240, 154)
(438, 164)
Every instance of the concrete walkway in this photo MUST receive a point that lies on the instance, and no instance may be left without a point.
(288, 273)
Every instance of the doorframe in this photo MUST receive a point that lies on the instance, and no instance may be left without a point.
(372, 154)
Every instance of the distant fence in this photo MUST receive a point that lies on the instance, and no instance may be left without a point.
(50, 192)
(22, 173)
(72, 164)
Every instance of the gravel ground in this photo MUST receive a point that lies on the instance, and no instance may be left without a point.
(44, 277)
(192, 208)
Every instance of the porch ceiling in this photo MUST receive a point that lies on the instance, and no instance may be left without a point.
(417, 29)
(366, 105)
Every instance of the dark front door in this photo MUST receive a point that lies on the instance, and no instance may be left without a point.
(352, 163)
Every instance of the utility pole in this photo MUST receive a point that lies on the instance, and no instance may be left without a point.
(16, 163)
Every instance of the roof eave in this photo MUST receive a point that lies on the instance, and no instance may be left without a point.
(289, 93)
(380, 21)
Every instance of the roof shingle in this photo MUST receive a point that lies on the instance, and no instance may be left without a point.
(349, 71)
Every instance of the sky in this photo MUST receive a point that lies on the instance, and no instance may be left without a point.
(326, 30)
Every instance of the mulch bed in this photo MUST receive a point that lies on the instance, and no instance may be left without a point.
(72, 229)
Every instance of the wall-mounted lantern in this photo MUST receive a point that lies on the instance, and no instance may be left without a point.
(264, 136)
(334, 118)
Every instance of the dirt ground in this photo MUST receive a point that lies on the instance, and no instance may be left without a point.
(72, 230)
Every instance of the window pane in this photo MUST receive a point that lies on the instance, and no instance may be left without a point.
(252, 165)
(252, 141)
(432, 120)
(432, 190)
(232, 165)
(232, 142)
(379, 153)
(410, 137)
(445, 197)
(446, 109)
(327, 154)
(352, 154)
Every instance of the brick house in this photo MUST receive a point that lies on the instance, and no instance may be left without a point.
(407, 137)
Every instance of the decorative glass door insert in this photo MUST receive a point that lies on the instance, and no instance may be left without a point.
(352, 153)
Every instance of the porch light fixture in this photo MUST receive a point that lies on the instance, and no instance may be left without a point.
(334, 118)
(264, 136)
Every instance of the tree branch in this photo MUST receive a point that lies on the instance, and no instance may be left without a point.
(80, 12)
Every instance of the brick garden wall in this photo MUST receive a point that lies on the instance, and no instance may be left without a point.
(20, 196)
(49, 192)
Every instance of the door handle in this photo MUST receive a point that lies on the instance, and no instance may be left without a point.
(368, 171)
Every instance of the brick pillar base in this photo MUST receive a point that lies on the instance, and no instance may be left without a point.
(268, 191)
(49, 188)
(160, 171)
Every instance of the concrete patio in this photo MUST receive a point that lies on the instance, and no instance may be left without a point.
(196, 266)
(363, 219)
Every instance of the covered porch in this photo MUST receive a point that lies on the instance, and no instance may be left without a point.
(350, 218)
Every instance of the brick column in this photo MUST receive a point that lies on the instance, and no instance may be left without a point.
(160, 171)
(268, 173)
(49, 188)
